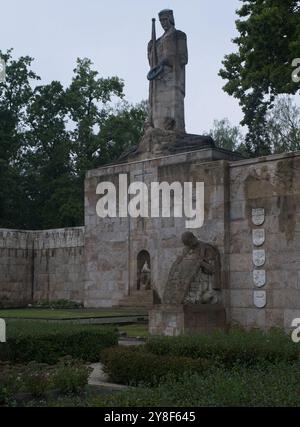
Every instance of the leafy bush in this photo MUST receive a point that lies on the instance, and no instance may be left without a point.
(36, 379)
(71, 377)
(48, 342)
(9, 382)
(268, 386)
(134, 366)
(68, 377)
(236, 347)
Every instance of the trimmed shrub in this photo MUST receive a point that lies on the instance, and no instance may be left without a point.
(268, 386)
(236, 347)
(47, 343)
(134, 366)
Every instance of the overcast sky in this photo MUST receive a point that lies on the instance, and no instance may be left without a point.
(114, 35)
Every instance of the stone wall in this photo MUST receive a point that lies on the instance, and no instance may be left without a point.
(41, 265)
(272, 184)
(233, 189)
(113, 245)
(98, 264)
(16, 268)
(59, 264)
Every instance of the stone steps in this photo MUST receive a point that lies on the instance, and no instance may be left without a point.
(141, 299)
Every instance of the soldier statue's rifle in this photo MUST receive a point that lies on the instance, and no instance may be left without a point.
(156, 69)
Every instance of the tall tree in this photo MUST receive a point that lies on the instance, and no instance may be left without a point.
(50, 178)
(283, 126)
(51, 136)
(120, 130)
(16, 95)
(88, 99)
(225, 135)
(268, 42)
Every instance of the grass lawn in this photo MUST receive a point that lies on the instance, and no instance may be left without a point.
(32, 313)
(134, 331)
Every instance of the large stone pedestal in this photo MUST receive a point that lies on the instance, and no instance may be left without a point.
(171, 320)
(157, 143)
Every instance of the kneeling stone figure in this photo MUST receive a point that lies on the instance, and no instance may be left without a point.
(195, 275)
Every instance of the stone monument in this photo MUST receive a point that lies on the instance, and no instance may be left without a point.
(192, 299)
(164, 131)
(168, 57)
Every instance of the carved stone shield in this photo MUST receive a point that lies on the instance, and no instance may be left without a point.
(260, 299)
(259, 237)
(258, 216)
(259, 257)
(259, 278)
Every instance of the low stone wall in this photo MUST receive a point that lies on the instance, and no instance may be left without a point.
(59, 264)
(16, 268)
(41, 265)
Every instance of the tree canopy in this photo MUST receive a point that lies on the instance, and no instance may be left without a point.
(262, 68)
(50, 136)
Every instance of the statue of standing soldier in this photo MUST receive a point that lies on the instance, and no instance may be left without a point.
(168, 57)
(164, 132)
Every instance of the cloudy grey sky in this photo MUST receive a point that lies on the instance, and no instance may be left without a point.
(114, 35)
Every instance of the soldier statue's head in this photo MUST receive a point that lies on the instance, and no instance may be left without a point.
(189, 240)
(166, 18)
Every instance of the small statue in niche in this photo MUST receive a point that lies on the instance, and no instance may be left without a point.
(195, 275)
(145, 278)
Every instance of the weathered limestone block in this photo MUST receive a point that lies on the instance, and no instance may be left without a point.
(170, 320)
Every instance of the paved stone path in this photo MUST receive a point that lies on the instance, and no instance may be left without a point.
(99, 379)
(128, 342)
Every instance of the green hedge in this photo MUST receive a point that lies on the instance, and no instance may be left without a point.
(268, 386)
(134, 366)
(47, 343)
(58, 304)
(227, 349)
